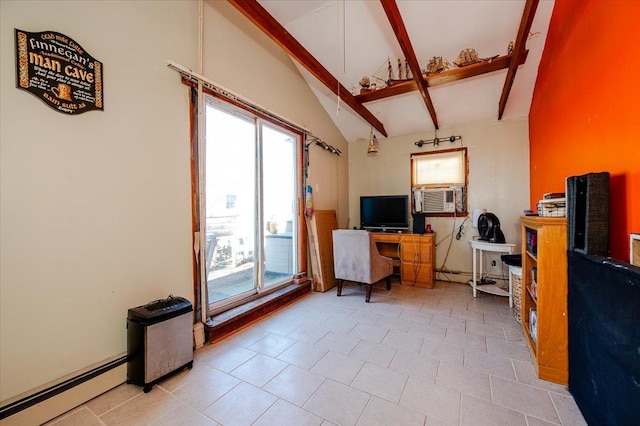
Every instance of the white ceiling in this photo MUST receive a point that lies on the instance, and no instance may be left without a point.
(353, 38)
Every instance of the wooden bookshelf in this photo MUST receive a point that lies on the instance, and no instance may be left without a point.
(544, 275)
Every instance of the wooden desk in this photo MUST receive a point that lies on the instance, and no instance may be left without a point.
(413, 254)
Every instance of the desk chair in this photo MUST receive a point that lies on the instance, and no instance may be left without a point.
(356, 258)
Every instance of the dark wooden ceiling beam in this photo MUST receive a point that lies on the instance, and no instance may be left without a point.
(444, 77)
(395, 19)
(519, 46)
(252, 10)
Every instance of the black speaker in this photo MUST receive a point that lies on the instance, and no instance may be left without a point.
(418, 223)
(588, 213)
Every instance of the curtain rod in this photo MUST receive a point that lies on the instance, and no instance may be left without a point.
(195, 77)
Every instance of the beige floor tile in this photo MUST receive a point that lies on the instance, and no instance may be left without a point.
(524, 398)
(500, 321)
(416, 365)
(337, 312)
(183, 377)
(364, 317)
(514, 335)
(447, 322)
(454, 302)
(457, 337)
(245, 337)
(338, 342)
(380, 412)
(78, 417)
(295, 384)
(203, 391)
(184, 416)
(404, 341)
(283, 413)
(379, 381)
(406, 304)
(259, 370)
(230, 357)
(480, 412)
(432, 400)
(464, 380)
(431, 357)
(568, 410)
(340, 325)
(387, 308)
(372, 333)
(488, 363)
(338, 367)
(431, 332)
(526, 374)
(272, 345)
(443, 352)
(241, 406)
(436, 309)
(534, 421)
(309, 333)
(308, 303)
(486, 330)
(338, 403)
(464, 314)
(281, 326)
(418, 317)
(393, 322)
(143, 409)
(303, 355)
(506, 349)
(116, 396)
(484, 305)
(374, 353)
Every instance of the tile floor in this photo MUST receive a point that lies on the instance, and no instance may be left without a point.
(410, 357)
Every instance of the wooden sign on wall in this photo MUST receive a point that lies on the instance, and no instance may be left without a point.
(57, 70)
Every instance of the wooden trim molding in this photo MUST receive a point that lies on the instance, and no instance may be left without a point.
(253, 11)
(445, 77)
(395, 19)
(523, 32)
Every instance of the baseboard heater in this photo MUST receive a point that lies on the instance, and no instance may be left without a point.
(44, 394)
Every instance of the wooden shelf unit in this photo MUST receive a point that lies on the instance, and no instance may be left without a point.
(413, 255)
(547, 296)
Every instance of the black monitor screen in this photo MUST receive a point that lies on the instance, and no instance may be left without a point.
(384, 212)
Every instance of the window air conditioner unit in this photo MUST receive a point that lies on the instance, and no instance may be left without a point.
(440, 200)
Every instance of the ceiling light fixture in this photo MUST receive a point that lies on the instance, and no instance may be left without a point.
(436, 141)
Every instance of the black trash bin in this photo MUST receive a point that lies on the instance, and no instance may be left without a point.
(159, 340)
(512, 259)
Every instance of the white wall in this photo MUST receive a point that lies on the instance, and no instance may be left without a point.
(498, 156)
(96, 208)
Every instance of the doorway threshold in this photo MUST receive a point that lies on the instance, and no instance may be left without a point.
(228, 322)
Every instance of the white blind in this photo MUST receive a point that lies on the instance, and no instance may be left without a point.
(444, 168)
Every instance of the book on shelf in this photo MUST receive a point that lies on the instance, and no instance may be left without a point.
(534, 282)
(533, 324)
(532, 242)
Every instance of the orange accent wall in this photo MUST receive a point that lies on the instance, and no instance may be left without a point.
(585, 113)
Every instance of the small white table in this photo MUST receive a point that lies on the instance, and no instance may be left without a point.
(481, 246)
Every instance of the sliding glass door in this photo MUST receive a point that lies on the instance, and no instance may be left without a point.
(279, 203)
(250, 206)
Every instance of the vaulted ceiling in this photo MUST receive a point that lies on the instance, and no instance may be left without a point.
(335, 43)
